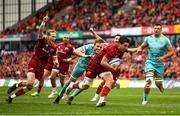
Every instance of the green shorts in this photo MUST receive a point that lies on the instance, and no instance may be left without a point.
(78, 70)
(156, 67)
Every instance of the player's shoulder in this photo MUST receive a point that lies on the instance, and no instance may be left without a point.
(59, 43)
(164, 37)
(112, 44)
(111, 47)
(70, 45)
(149, 37)
(54, 46)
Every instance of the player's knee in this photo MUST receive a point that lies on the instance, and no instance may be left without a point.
(85, 86)
(68, 82)
(103, 82)
(110, 82)
(73, 79)
(158, 83)
(29, 86)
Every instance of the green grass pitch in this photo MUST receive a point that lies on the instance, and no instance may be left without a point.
(125, 101)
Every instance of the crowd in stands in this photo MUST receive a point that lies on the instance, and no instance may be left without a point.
(103, 15)
(14, 65)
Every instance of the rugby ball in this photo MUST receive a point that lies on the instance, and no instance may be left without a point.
(115, 62)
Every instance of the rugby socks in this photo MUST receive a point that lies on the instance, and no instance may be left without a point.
(39, 88)
(68, 89)
(54, 90)
(77, 91)
(20, 84)
(145, 98)
(99, 89)
(105, 91)
(63, 90)
(20, 92)
(76, 85)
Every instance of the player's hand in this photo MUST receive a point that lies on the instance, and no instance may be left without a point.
(65, 60)
(116, 68)
(139, 50)
(92, 31)
(161, 59)
(46, 18)
(69, 60)
(87, 56)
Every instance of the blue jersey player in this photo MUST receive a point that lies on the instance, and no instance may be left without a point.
(159, 49)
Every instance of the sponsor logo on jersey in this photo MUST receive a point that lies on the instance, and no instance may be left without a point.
(161, 43)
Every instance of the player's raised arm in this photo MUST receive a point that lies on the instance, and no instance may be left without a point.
(96, 35)
(41, 28)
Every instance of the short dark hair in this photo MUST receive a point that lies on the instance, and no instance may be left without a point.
(124, 40)
(157, 24)
(117, 35)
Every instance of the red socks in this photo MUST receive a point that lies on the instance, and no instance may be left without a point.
(76, 85)
(19, 92)
(20, 84)
(39, 88)
(98, 90)
(105, 91)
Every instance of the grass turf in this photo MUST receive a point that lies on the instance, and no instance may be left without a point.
(126, 101)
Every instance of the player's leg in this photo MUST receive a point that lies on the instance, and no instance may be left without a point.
(149, 79)
(83, 85)
(79, 86)
(46, 74)
(108, 78)
(53, 76)
(28, 87)
(117, 84)
(15, 86)
(77, 72)
(61, 93)
(62, 78)
(98, 91)
(159, 82)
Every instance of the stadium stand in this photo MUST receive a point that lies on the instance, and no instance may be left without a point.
(102, 15)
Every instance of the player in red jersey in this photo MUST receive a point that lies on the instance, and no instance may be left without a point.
(45, 49)
(99, 66)
(64, 52)
(47, 72)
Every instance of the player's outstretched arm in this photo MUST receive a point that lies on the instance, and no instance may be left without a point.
(96, 35)
(132, 50)
(41, 28)
(80, 52)
(140, 48)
